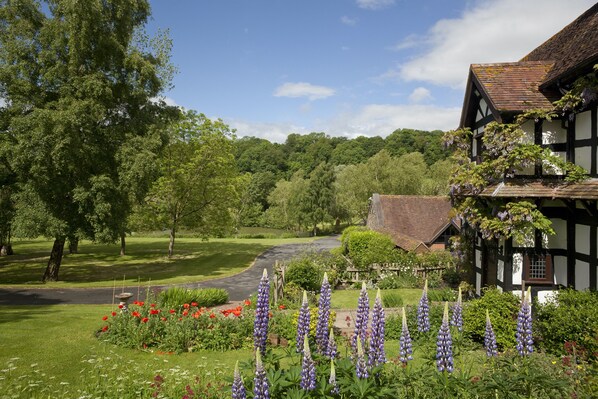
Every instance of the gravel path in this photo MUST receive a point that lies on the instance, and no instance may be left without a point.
(239, 286)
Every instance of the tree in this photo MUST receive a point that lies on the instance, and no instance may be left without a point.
(320, 195)
(198, 179)
(287, 209)
(77, 88)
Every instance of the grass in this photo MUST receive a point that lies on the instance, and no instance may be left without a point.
(55, 347)
(347, 299)
(100, 265)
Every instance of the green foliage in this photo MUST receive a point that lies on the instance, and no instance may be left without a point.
(502, 307)
(175, 297)
(305, 274)
(568, 324)
(403, 280)
(392, 299)
(367, 247)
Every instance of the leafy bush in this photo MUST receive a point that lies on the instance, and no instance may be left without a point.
(367, 247)
(570, 321)
(305, 274)
(502, 307)
(392, 299)
(175, 297)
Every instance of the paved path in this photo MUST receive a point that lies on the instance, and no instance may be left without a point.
(239, 286)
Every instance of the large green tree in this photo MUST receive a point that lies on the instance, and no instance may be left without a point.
(320, 195)
(78, 87)
(198, 182)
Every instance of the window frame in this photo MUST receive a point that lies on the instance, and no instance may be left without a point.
(527, 260)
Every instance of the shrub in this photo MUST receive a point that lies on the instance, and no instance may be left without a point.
(503, 308)
(570, 322)
(304, 273)
(392, 299)
(175, 297)
(367, 247)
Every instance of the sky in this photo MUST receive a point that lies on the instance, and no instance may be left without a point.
(349, 68)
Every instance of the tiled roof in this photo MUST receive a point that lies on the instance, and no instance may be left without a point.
(513, 86)
(411, 220)
(587, 190)
(575, 46)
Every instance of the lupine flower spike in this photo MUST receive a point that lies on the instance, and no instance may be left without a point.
(444, 343)
(323, 315)
(332, 379)
(361, 368)
(302, 323)
(457, 318)
(361, 320)
(376, 355)
(489, 338)
(238, 387)
(331, 350)
(260, 327)
(308, 368)
(405, 350)
(423, 311)
(525, 340)
(260, 381)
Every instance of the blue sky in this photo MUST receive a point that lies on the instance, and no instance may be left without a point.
(344, 67)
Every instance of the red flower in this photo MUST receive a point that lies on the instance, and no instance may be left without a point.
(185, 312)
(144, 320)
(105, 328)
(135, 314)
(140, 303)
(281, 307)
(113, 314)
(237, 312)
(196, 315)
(212, 315)
(247, 302)
(153, 305)
(172, 311)
(186, 306)
(154, 311)
(163, 318)
(105, 318)
(120, 306)
(194, 304)
(135, 302)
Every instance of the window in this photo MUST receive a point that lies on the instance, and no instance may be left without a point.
(537, 268)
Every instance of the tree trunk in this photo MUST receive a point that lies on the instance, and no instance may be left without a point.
(122, 243)
(74, 245)
(51, 273)
(171, 243)
(315, 230)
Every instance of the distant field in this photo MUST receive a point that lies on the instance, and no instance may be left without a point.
(100, 265)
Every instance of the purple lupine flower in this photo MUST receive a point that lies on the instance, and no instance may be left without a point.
(444, 343)
(260, 326)
(457, 318)
(331, 349)
(376, 355)
(525, 340)
(238, 387)
(405, 350)
(423, 311)
(361, 368)
(489, 338)
(302, 323)
(323, 315)
(260, 381)
(361, 321)
(332, 379)
(308, 368)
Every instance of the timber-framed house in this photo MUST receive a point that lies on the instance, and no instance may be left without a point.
(499, 92)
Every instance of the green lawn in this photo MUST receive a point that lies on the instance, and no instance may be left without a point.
(347, 299)
(100, 265)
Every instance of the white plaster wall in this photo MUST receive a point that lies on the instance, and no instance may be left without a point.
(546, 296)
(474, 147)
(582, 239)
(483, 107)
(500, 271)
(553, 133)
(582, 276)
(478, 276)
(560, 269)
(528, 128)
(517, 268)
(583, 157)
(558, 240)
(583, 126)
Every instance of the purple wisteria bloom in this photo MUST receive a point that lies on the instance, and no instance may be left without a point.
(332, 379)
(525, 341)
(405, 349)
(302, 323)
(423, 311)
(260, 381)
(376, 355)
(308, 368)
(457, 318)
(331, 349)
(323, 315)
(489, 338)
(260, 326)
(361, 368)
(361, 321)
(444, 343)
(238, 387)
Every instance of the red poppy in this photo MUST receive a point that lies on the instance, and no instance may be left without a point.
(140, 303)
(144, 320)
(135, 314)
(105, 328)
(172, 311)
(281, 307)
(194, 304)
(154, 311)
(186, 306)
(185, 312)
(163, 318)
(196, 315)
(113, 314)
(153, 305)
(212, 315)
(135, 302)
(247, 302)
(105, 318)
(120, 306)
(237, 312)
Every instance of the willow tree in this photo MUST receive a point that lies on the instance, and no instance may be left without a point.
(78, 88)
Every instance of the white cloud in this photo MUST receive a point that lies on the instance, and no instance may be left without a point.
(302, 89)
(420, 94)
(374, 4)
(348, 20)
(408, 42)
(274, 132)
(489, 31)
